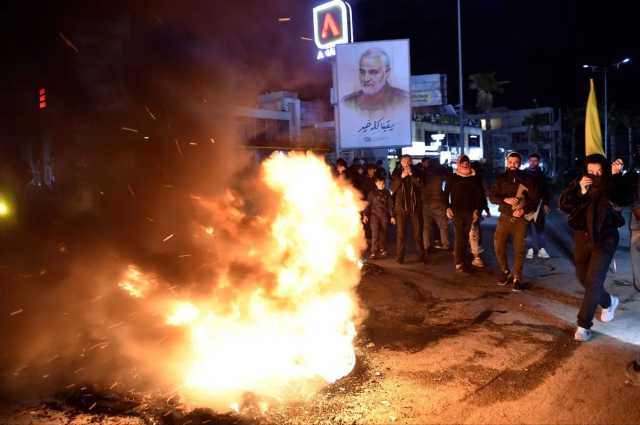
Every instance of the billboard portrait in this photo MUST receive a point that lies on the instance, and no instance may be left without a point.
(374, 102)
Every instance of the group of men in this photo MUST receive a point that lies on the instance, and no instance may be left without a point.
(431, 194)
(428, 196)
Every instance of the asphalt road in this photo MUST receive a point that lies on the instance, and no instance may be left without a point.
(445, 347)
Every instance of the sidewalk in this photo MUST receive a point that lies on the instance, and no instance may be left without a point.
(555, 280)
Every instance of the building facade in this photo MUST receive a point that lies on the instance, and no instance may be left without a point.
(526, 131)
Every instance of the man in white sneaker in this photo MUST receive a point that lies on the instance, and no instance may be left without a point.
(590, 202)
(537, 240)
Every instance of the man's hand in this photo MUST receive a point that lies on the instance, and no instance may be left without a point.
(585, 183)
(365, 219)
(616, 167)
(449, 213)
(518, 213)
(511, 201)
(476, 216)
(546, 209)
(393, 221)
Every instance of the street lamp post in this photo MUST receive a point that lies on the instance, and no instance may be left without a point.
(604, 70)
(460, 83)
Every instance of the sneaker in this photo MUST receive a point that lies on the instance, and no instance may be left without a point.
(459, 267)
(542, 253)
(582, 334)
(477, 262)
(530, 254)
(608, 314)
(373, 256)
(383, 253)
(633, 372)
(505, 278)
(517, 285)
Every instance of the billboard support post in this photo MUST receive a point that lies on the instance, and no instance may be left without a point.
(336, 103)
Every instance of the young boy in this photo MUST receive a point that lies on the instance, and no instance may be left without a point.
(379, 212)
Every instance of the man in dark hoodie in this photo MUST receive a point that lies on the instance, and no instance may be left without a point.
(592, 203)
(434, 204)
(466, 199)
(378, 214)
(516, 194)
(405, 185)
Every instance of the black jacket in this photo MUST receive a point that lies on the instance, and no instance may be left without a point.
(368, 185)
(406, 192)
(507, 186)
(379, 204)
(432, 179)
(540, 179)
(591, 213)
(465, 193)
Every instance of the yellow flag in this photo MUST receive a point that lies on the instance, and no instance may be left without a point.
(592, 134)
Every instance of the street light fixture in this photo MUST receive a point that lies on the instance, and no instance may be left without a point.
(603, 70)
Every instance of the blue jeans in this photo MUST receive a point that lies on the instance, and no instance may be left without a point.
(536, 239)
(592, 264)
(634, 251)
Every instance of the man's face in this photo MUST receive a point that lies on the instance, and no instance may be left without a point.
(371, 172)
(595, 169)
(464, 168)
(380, 184)
(405, 162)
(373, 74)
(513, 163)
(534, 162)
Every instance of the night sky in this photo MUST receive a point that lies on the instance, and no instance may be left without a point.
(538, 46)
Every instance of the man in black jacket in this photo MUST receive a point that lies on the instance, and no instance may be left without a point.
(592, 201)
(516, 195)
(536, 227)
(405, 185)
(466, 199)
(433, 203)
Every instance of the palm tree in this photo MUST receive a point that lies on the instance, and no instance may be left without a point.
(574, 117)
(533, 123)
(485, 85)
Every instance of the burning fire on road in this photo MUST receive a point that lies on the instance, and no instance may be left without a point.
(278, 319)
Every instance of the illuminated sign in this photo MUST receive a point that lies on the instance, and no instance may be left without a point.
(331, 25)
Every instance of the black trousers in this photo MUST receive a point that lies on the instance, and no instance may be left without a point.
(402, 218)
(592, 263)
(378, 233)
(462, 223)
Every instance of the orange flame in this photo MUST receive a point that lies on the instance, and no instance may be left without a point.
(295, 326)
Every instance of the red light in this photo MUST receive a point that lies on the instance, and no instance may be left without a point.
(43, 92)
(329, 24)
(43, 98)
(43, 105)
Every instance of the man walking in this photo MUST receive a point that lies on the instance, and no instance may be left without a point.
(516, 195)
(536, 226)
(634, 229)
(591, 204)
(433, 204)
(405, 186)
(466, 199)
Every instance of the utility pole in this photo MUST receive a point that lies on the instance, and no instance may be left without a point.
(460, 83)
